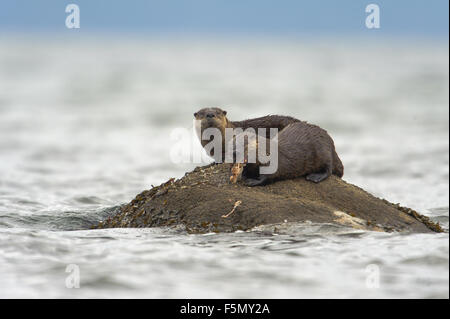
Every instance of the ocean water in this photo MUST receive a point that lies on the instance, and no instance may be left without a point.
(85, 125)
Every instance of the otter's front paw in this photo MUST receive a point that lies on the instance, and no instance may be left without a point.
(255, 181)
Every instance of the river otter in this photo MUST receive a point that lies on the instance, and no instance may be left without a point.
(303, 149)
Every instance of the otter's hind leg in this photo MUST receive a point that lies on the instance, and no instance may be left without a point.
(318, 177)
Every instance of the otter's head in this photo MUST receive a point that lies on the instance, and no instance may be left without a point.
(212, 117)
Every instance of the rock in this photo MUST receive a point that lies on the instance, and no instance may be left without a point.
(200, 200)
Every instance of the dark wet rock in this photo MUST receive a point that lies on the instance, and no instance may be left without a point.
(200, 199)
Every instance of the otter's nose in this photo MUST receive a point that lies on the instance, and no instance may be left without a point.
(210, 115)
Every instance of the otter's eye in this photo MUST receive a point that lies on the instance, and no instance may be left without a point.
(224, 112)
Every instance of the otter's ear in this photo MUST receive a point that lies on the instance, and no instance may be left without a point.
(195, 114)
(224, 112)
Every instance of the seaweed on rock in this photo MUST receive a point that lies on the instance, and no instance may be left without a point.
(202, 200)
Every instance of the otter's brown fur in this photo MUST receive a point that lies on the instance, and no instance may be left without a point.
(303, 149)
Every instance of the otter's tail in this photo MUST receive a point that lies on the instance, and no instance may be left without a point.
(338, 168)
